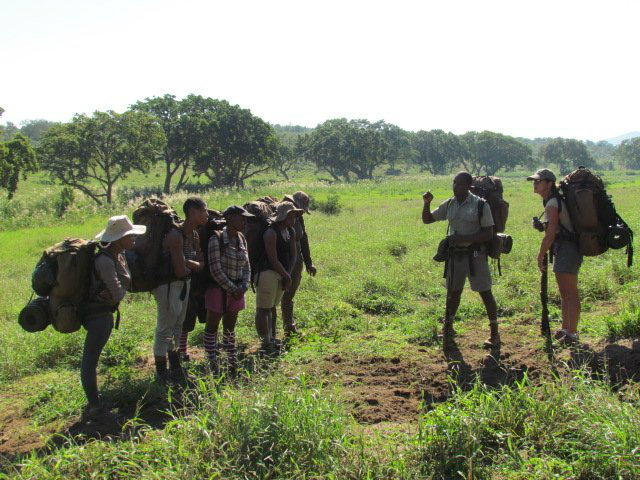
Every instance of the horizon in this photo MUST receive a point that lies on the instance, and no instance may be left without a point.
(532, 70)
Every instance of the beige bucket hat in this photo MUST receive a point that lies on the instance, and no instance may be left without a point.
(301, 200)
(119, 226)
(282, 210)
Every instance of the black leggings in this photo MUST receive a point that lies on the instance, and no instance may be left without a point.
(98, 332)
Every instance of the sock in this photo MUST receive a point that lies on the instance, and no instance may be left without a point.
(183, 342)
(211, 346)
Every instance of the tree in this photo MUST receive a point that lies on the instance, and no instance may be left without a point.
(35, 129)
(437, 151)
(17, 158)
(628, 152)
(487, 152)
(181, 122)
(397, 147)
(344, 148)
(567, 153)
(232, 144)
(8, 131)
(91, 154)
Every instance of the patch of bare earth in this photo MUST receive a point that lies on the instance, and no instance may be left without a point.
(396, 389)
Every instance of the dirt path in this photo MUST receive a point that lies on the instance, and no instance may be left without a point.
(380, 390)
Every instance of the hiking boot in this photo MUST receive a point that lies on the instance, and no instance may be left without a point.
(559, 334)
(102, 414)
(494, 340)
(569, 339)
(162, 374)
(184, 357)
(448, 334)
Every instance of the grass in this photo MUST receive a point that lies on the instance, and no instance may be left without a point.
(377, 293)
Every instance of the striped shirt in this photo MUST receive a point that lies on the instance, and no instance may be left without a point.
(231, 269)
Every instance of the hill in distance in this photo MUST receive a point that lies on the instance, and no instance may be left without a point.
(621, 138)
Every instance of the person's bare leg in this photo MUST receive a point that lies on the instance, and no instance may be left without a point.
(568, 286)
(492, 312)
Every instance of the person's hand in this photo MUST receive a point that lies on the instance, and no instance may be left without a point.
(237, 293)
(541, 264)
(427, 197)
(286, 282)
(312, 270)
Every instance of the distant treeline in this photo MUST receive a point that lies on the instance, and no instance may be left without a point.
(198, 136)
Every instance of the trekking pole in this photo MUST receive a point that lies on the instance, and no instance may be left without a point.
(544, 298)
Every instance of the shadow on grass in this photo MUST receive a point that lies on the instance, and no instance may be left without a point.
(614, 363)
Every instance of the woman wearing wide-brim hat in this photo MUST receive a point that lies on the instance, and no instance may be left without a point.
(110, 280)
(273, 276)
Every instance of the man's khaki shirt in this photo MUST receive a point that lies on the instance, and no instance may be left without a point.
(463, 217)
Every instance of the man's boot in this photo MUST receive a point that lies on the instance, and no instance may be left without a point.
(494, 340)
(162, 375)
(176, 372)
(289, 322)
(447, 334)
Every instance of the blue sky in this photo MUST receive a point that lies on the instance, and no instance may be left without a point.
(543, 68)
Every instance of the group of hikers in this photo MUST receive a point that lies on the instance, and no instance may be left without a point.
(276, 276)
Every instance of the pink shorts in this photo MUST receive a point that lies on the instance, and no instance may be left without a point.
(213, 301)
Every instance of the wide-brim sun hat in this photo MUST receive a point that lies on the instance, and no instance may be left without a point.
(282, 210)
(119, 226)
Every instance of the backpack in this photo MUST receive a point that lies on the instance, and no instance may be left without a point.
(490, 189)
(597, 225)
(149, 267)
(262, 209)
(63, 274)
(201, 280)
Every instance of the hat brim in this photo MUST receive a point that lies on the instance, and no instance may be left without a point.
(135, 230)
(281, 217)
(533, 177)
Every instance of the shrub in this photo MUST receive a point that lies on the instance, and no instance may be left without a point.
(64, 201)
(331, 206)
(397, 249)
(626, 324)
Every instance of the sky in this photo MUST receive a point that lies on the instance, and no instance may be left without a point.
(524, 68)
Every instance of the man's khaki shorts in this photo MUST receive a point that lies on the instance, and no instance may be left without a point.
(458, 272)
(268, 289)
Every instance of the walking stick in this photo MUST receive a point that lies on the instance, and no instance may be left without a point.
(544, 298)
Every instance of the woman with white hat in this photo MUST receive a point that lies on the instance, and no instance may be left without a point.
(110, 280)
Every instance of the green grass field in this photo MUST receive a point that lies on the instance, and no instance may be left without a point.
(366, 392)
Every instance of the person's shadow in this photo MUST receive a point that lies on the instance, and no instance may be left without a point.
(614, 363)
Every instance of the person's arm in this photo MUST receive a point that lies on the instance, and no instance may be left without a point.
(270, 248)
(197, 264)
(427, 216)
(196, 246)
(246, 271)
(485, 234)
(215, 264)
(293, 250)
(550, 232)
(306, 251)
(106, 272)
(175, 244)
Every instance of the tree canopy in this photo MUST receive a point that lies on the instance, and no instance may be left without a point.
(437, 151)
(91, 154)
(567, 153)
(487, 152)
(628, 152)
(232, 144)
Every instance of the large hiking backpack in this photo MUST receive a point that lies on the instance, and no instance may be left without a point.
(149, 267)
(201, 280)
(63, 274)
(490, 189)
(597, 224)
(262, 209)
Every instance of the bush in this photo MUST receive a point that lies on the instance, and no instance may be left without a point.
(64, 201)
(626, 324)
(329, 207)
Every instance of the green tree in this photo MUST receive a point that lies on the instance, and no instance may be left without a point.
(17, 159)
(397, 144)
(487, 152)
(91, 154)
(437, 151)
(232, 144)
(35, 129)
(567, 153)
(628, 152)
(182, 123)
(346, 148)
